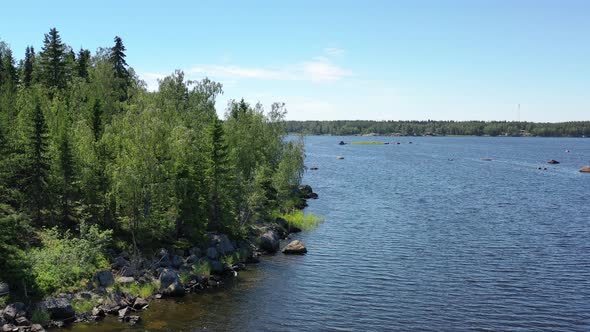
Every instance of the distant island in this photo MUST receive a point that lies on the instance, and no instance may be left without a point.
(440, 128)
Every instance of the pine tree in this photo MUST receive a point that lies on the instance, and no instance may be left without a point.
(38, 165)
(220, 177)
(27, 75)
(10, 74)
(83, 63)
(53, 61)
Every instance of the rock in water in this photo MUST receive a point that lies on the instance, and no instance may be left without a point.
(585, 169)
(553, 162)
(295, 247)
(269, 241)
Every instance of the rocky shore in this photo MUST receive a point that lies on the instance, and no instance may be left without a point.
(167, 273)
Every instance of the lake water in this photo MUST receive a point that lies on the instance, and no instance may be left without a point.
(419, 237)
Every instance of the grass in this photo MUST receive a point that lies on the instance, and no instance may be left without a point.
(367, 143)
(202, 269)
(40, 316)
(302, 220)
(185, 277)
(3, 301)
(83, 305)
(141, 290)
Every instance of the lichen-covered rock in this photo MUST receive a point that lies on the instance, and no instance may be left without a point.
(295, 247)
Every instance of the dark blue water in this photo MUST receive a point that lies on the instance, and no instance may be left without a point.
(413, 241)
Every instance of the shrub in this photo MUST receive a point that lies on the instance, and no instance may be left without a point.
(64, 260)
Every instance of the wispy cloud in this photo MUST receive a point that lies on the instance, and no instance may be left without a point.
(333, 51)
(321, 69)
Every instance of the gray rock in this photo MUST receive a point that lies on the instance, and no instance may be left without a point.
(124, 312)
(58, 308)
(9, 328)
(222, 243)
(104, 278)
(37, 328)
(11, 311)
(120, 262)
(125, 280)
(22, 321)
(216, 266)
(269, 241)
(98, 312)
(192, 259)
(133, 320)
(295, 247)
(176, 261)
(196, 251)
(4, 288)
(128, 271)
(170, 283)
(162, 252)
(140, 304)
(212, 253)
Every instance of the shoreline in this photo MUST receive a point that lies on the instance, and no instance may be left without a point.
(122, 290)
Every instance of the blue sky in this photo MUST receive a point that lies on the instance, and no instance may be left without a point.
(382, 60)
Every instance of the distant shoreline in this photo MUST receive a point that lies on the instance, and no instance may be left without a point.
(388, 135)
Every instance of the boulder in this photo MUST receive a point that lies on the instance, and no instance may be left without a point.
(22, 321)
(104, 278)
(37, 328)
(4, 288)
(313, 196)
(170, 283)
(305, 190)
(212, 253)
(195, 251)
(585, 169)
(216, 267)
(133, 320)
(120, 262)
(314, 168)
(128, 271)
(140, 304)
(125, 280)
(553, 162)
(222, 243)
(295, 247)
(9, 328)
(192, 259)
(58, 308)
(12, 310)
(269, 241)
(98, 312)
(176, 261)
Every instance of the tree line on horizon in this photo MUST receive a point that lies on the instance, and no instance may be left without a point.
(418, 128)
(90, 156)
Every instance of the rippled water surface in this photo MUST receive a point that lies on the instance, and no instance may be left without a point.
(419, 237)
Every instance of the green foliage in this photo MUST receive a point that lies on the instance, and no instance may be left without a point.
(83, 305)
(40, 316)
(64, 260)
(472, 128)
(202, 268)
(298, 218)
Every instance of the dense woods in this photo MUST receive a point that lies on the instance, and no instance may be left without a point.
(92, 162)
(472, 128)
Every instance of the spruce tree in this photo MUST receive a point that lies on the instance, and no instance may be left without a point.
(9, 72)
(120, 72)
(220, 178)
(38, 165)
(97, 120)
(83, 63)
(27, 75)
(53, 61)
(68, 191)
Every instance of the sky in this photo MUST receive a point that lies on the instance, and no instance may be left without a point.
(340, 59)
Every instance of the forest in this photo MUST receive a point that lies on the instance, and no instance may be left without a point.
(442, 128)
(92, 162)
